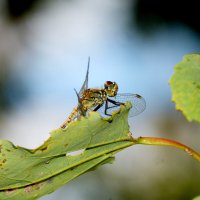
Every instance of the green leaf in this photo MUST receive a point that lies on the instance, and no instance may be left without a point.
(185, 85)
(68, 153)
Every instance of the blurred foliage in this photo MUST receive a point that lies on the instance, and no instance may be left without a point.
(197, 198)
(170, 178)
(148, 14)
(185, 84)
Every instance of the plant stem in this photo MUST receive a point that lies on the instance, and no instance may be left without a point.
(167, 142)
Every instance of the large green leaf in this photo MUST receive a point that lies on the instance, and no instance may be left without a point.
(28, 174)
(185, 84)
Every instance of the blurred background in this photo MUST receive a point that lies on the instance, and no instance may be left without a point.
(44, 48)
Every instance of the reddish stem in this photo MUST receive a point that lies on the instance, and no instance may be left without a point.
(167, 142)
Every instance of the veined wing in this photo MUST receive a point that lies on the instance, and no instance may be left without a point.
(80, 93)
(137, 101)
(85, 84)
(77, 111)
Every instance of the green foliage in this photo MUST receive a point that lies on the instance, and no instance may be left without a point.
(185, 84)
(28, 174)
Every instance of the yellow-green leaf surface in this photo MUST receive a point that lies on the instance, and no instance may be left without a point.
(185, 84)
(83, 145)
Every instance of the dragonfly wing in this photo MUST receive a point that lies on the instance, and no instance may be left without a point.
(137, 101)
(85, 84)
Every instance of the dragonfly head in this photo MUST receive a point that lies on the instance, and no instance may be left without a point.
(111, 88)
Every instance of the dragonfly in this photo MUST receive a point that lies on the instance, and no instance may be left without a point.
(104, 100)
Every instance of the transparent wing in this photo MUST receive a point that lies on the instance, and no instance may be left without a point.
(138, 103)
(85, 84)
(80, 93)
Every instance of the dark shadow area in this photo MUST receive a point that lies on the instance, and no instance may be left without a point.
(18, 9)
(152, 13)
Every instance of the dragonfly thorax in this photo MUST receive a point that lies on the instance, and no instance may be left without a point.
(92, 98)
(111, 88)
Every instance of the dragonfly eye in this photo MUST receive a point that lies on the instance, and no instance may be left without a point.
(109, 83)
(111, 88)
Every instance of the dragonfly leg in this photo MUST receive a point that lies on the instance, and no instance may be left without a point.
(106, 108)
(97, 108)
(113, 106)
(115, 102)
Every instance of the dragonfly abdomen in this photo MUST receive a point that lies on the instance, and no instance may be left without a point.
(72, 117)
